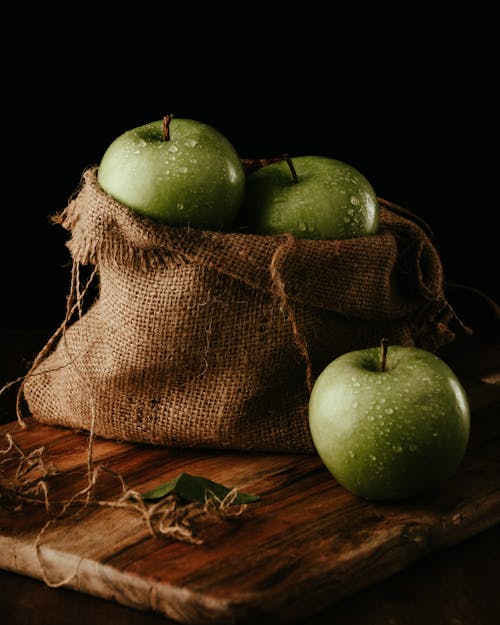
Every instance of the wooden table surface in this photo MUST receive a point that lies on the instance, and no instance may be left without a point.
(460, 586)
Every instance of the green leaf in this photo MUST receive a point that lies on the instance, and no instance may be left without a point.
(196, 488)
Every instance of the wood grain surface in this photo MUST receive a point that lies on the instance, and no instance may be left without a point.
(306, 543)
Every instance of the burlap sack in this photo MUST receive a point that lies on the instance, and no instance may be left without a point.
(203, 339)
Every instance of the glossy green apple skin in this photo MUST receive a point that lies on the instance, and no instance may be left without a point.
(331, 200)
(394, 434)
(193, 179)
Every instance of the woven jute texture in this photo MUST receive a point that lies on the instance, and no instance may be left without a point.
(205, 339)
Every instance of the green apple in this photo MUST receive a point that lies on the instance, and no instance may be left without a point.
(389, 428)
(180, 172)
(313, 197)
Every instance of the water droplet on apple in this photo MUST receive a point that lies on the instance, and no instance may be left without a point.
(356, 384)
(371, 418)
(355, 404)
(347, 219)
(183, 170)
(435, 434)
(342, 192)
(398, 448)
(180, 206)
(173, 148)
(351, 453)
(142, 143)
(389, 410)
(191, 143)
(302, 225)
(355, 200)
(372, 457)
(137, 151)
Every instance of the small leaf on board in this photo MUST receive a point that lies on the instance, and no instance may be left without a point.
(196, 488)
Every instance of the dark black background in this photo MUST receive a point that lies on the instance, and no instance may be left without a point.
(410, 100)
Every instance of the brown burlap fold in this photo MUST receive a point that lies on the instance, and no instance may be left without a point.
(203, 339)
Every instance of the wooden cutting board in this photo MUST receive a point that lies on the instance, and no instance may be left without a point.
(304, 545)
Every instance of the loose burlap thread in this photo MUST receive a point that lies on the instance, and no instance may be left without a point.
(213, 340)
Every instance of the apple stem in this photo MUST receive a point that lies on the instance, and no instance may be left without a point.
(290, 164)
(383, 354)
(166, 127)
